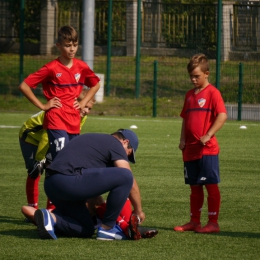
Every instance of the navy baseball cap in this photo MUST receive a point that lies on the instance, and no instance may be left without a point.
(133, 140)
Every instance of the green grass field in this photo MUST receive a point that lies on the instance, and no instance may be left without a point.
(159, 172)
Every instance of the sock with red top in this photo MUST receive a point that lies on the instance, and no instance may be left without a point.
(196, 202)
(32, 191)
(126, 211)
(100, 211)
(49, 205)
(123, 225)
(213, 202)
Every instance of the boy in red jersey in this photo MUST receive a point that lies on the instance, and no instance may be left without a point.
(203, 114)
(34, 145)
(62, 81)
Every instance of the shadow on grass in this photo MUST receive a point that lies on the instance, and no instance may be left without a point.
(221, 233)
(18, 232)
(237, 234)
(21, 233)
(32, 233)
(16, 221)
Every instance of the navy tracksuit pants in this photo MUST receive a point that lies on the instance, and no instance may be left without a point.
(70, 192)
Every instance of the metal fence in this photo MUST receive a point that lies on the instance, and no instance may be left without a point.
(170, 34)
(246, 26)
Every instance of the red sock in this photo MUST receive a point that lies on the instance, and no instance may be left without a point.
(122, 219)
(196, 202)
(213, 202)
(32, 191)
(123, 225)
(126, 211)
(100, 211)
(49, 205)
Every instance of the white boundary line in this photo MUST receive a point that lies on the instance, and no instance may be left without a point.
(176, 120)
(9, 126)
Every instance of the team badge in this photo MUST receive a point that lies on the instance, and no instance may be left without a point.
(202, 102)
(58, 75)
(77, 76)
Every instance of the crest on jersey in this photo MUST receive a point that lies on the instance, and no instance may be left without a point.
(202, 102)
(77, 76)
(58, 75)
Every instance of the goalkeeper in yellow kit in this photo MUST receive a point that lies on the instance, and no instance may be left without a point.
(34, 145)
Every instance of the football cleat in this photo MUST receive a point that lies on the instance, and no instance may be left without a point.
(45, 224)
(147, 232)
(133, 231)
(209, 228)
(191, 226)
(114, 233)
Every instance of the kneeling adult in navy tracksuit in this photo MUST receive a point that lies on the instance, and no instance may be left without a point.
(88, 166)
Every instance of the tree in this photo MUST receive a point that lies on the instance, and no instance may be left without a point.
(32, 16)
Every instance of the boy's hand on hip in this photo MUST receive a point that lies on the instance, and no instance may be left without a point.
(54, 102)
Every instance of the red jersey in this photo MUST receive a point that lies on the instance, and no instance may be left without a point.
(200, 112)
(65, 83)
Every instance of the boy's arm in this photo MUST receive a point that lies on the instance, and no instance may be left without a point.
(182, 138)
(92, 91)
(219, 122)
(26, 90)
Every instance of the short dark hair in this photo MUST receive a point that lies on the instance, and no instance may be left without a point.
(67, 33)
(198, 60)
(120, 136)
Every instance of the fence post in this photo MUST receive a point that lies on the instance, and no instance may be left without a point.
(138, 46)
(155, 70)
(218, 44)
(109, 29)
(21, 40)
(48, 24)
(88, 32)
(240, 91)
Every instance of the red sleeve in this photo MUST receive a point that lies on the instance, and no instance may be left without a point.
(91, 79)
(219, 103)
(37, 77)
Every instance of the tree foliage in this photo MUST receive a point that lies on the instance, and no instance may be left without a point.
(189, 25)
(118, 29)
(32, 16)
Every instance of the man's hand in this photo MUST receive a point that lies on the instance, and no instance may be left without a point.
(141, 217)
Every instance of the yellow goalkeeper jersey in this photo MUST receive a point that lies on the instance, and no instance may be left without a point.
(32, 132)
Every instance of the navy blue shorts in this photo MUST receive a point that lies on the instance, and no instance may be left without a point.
(57, 140)
(28, 152)
(202, 171)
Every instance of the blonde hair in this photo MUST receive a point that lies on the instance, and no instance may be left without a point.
(198, 60)
(83, 94)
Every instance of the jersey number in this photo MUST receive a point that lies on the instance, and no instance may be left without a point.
(59, 143)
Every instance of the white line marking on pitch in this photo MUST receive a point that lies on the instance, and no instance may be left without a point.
(9, 126)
